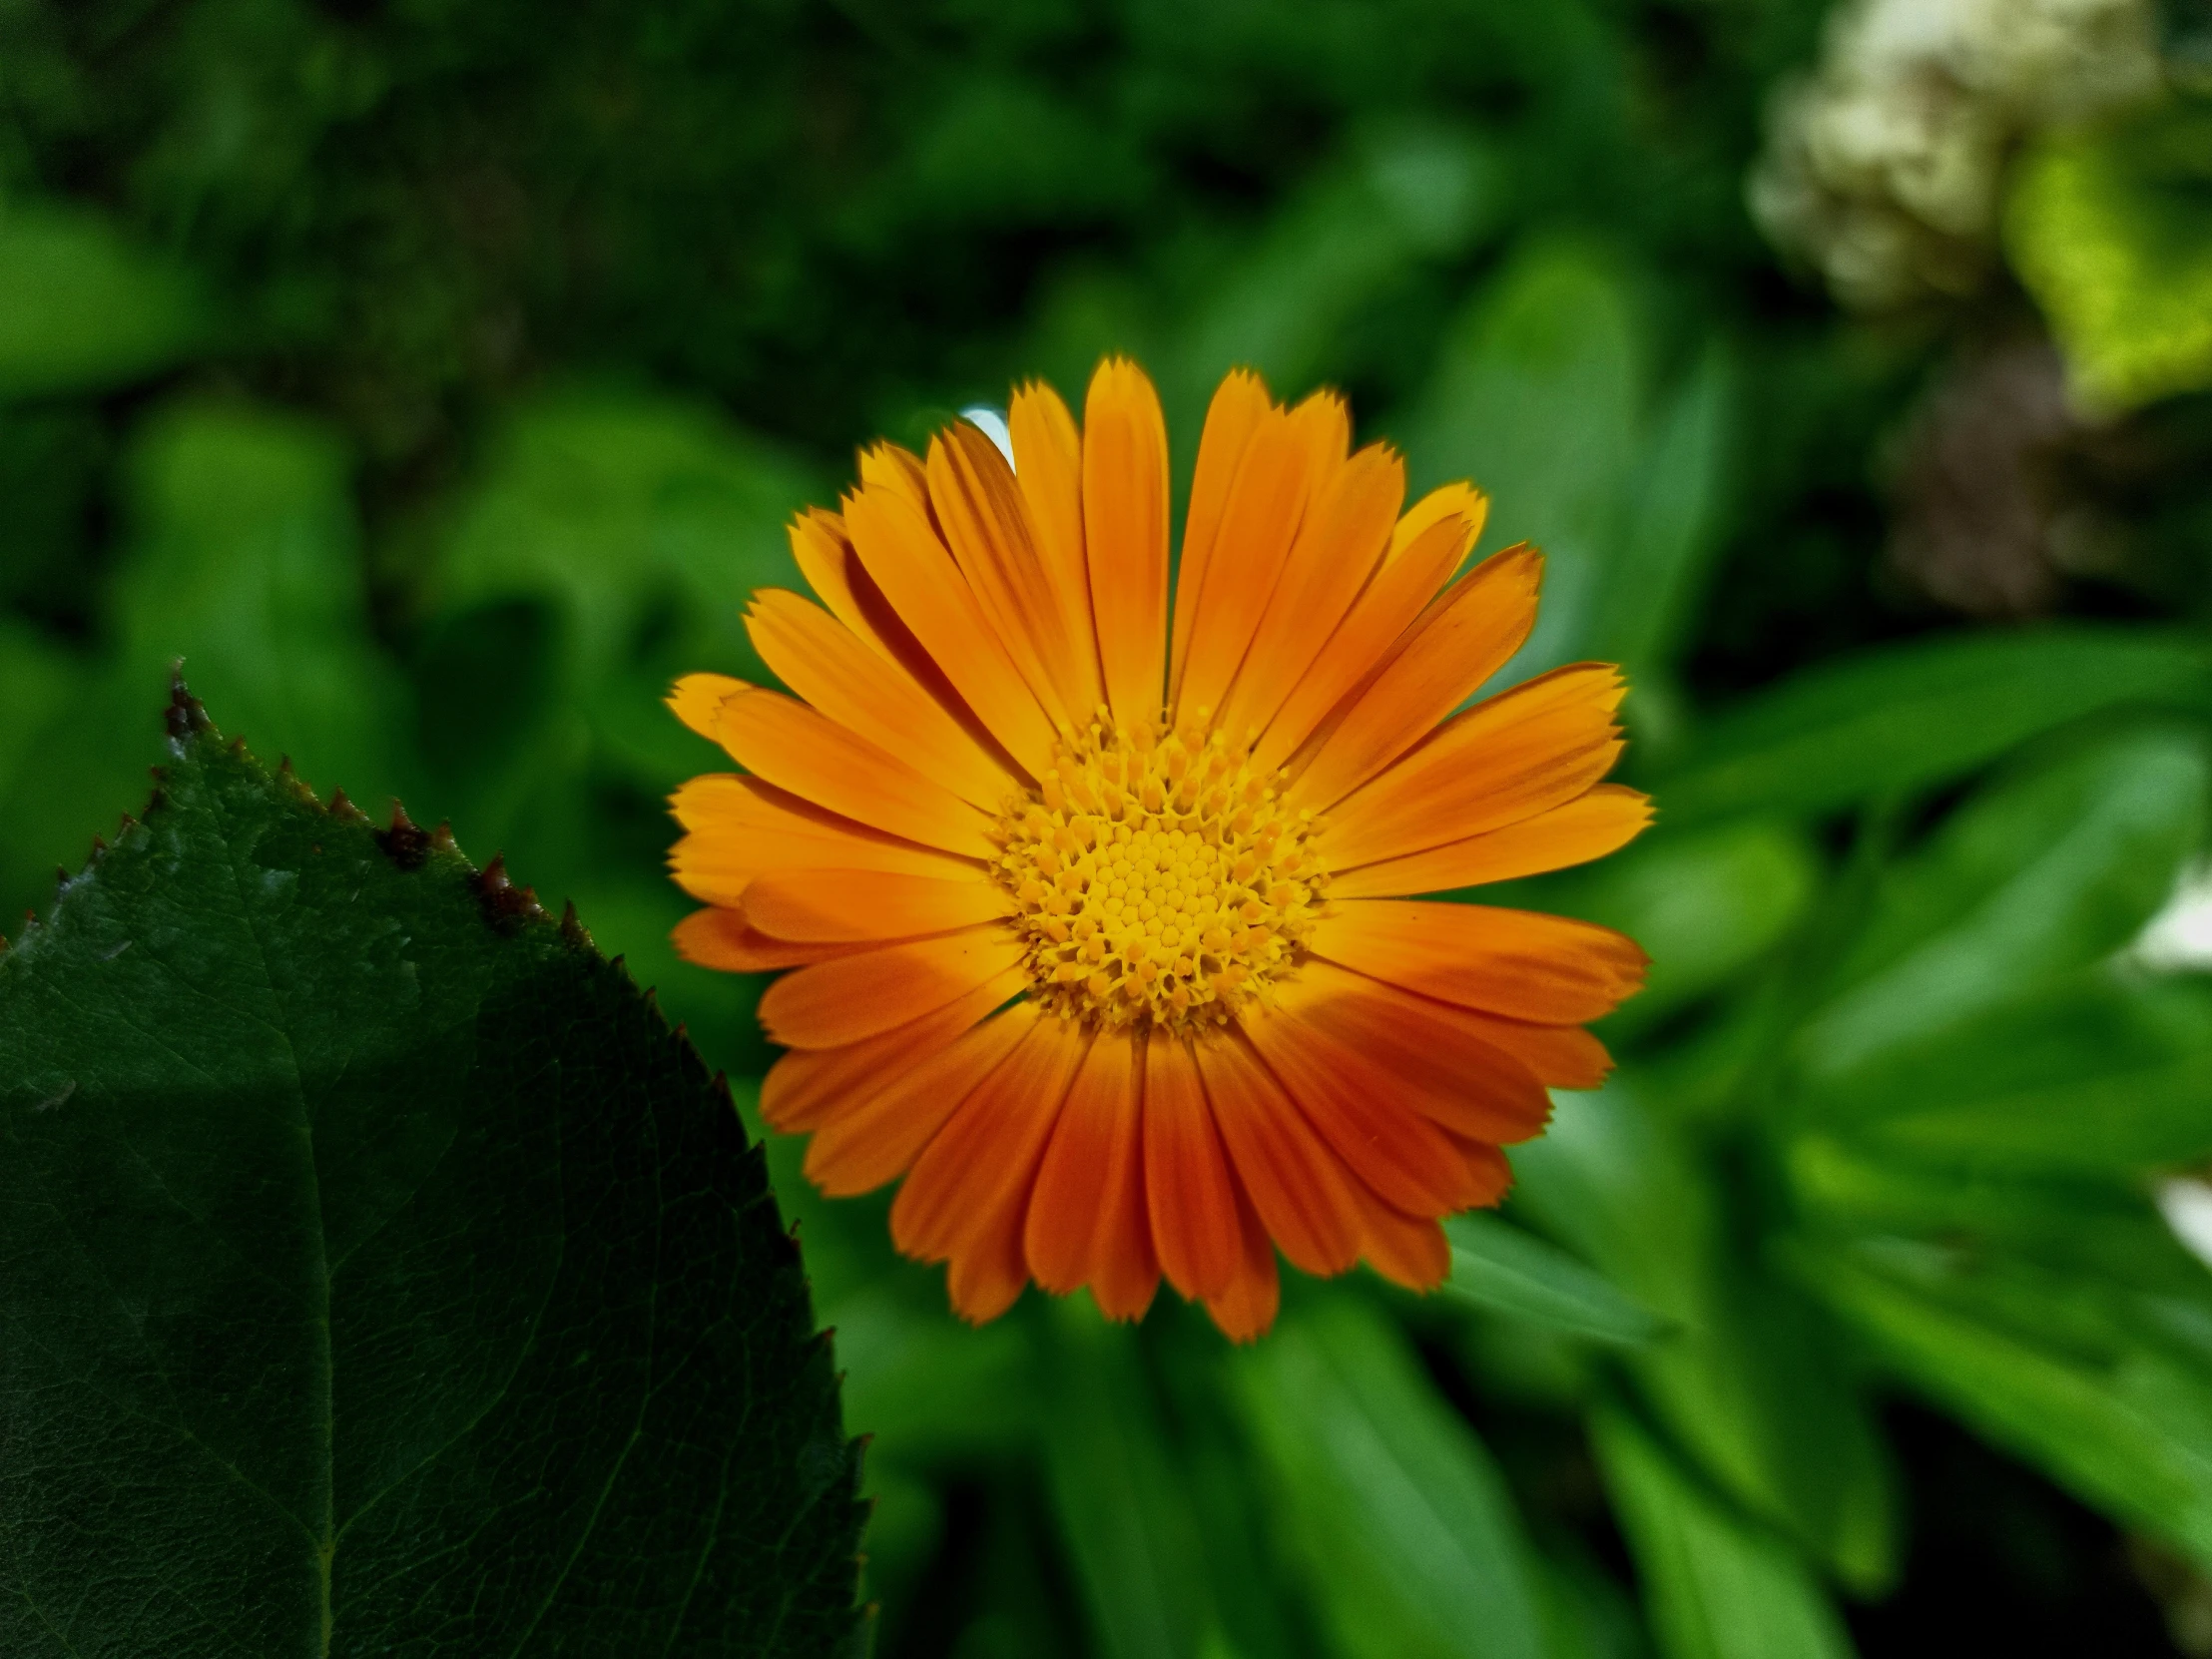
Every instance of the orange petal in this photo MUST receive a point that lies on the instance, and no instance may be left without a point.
(852, 997)
(1491, 1169)
(1432, 1057)
(1386, 608)
(1602, 821)
(742, 829)
(719, 938)
(877, 1139)
(1354, 1107)
(824, 553)
(1460, 642)
(889, 466)
(1508, 758)
(1521, 964)
(1406, 1250)
(1048, 467)
(977, 1171)
(1125, 535)
(1247, 1306)
(797, 748)
(1339, 542)
(1295, 1184)
(986, 523)
(833, 570)
(1188, 1188)
(843, 906)
(807, 1087)
(1461, 500)
(1560, 1056)
(1240, 403)
(867, 691)
(698, 699)
(1088, 1222)
(903, 556)
(1257, 523)
(1324, 422)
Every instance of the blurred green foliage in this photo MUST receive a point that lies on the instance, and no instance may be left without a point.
(436, 377)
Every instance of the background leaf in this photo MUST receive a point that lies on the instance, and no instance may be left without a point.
(2062, 1367)
(1400, 1515)
(1911, 716)
(1720, 1587)
(1498, 1265)
(82, 308)
(2051, 872)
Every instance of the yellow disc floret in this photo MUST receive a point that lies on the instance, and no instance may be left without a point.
(1158, 877)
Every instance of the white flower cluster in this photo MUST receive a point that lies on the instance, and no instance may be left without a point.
(1883, 167)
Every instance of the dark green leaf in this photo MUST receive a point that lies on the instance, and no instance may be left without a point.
(1913, 715)
(1413, 1545)
(1502, 1268)
(1716, 1584)
(380, 1275)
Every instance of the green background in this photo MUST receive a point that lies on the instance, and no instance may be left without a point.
(435, 377)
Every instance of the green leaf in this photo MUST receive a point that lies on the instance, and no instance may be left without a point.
(1910, 716)
(923, 1387)
(642, 523)
(2068, 1219)
(1538, 397)
(1500, 1267)
(1716, 1584)
(1674, 528)
(1403, 1521)
(1415, 192)
(2105, 1073)
(81, 309)
(2109, 231)
(2070, 1373)
(1752, 1382)
(2043, 874)
(380, 1273)
(1115, 1489)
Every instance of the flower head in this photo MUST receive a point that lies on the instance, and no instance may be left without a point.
(1095, 906)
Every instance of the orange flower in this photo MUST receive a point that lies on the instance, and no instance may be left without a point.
(1124, 988)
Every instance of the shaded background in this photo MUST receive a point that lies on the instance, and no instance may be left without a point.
(436, 377)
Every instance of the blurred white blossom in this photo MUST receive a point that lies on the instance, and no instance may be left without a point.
(2178, 940)
(2186, 1203)
(1883, 167)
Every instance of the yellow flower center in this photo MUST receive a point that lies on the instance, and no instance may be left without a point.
(1158, 877)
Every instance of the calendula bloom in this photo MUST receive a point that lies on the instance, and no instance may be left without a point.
(1096, 911)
